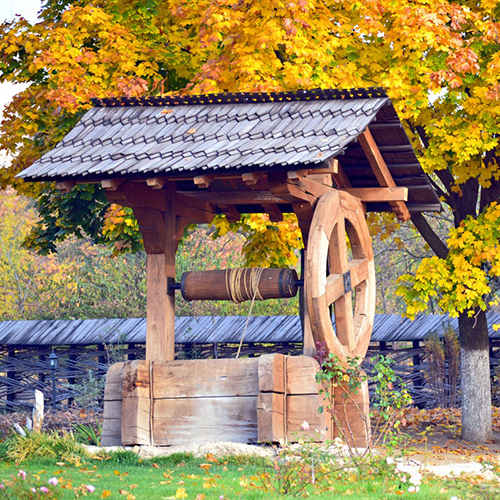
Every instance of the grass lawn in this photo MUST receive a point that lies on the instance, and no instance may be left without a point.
(123, 475)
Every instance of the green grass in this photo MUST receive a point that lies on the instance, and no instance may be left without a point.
(123, 475)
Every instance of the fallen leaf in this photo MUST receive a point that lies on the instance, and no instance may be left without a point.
(180, 493)
(191, 131)
(106, 494)
(156, 466)
(166, 112)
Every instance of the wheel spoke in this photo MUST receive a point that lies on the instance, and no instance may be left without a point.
(344, 322)
(359, 271)
(334, 288)
(337, 252)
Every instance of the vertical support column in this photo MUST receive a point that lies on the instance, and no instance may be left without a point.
(156, 308)
(170, 246)
(352, 415)
(309, 348)
(158, 229)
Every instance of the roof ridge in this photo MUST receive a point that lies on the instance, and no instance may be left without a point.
(243, 97)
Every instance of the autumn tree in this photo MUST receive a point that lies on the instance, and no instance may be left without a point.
(438, 59)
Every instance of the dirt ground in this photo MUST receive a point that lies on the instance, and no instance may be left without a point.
(435, 437)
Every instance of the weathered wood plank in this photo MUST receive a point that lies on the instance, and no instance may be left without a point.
(114, 382)
(304, 408)
(136, 379)
(301, 375)
(270, 417)
(136, 421)
(353, 415)
(272, 373)
(112, 422)
(180, 421)
(205, 377)
(136, 410)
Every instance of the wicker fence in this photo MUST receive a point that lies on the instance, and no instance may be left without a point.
(81, 369)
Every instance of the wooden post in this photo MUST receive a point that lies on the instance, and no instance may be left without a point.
(160, 326)
(71, 370)
(11, 375)
(309, 348)
(168, 345)
(38, 411)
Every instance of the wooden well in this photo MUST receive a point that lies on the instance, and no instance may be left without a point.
(327, 155)
(252, 400)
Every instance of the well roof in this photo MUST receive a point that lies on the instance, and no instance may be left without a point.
(193, 135)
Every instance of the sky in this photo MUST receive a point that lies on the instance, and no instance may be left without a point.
(8, 10)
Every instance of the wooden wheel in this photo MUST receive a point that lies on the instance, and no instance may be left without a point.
(339, 276)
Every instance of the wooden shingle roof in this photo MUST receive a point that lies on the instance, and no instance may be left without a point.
(181, 136)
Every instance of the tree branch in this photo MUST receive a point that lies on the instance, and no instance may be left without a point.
(429, 235)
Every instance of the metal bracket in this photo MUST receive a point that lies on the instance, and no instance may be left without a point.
(347, 282)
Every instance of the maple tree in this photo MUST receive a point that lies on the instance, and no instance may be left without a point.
(438, 59)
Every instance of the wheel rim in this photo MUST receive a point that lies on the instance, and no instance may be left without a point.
(337, 213)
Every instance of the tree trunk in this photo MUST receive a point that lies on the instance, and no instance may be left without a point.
(475, 377)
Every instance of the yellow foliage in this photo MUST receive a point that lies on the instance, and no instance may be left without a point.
(463, 280)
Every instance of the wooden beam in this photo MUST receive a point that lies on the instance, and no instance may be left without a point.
(304, 213)
(194, 208)
(251, 178)
(382, 173)
(152, 228)
(156, 182)
(160, 336)
(231, 213)
(162, 347)
(340, 177)
(374, 195)
(296, 175)
(137, 195)
(273, 211)
(65, 186)
(111, 184)
(235, 197)
(203, 181)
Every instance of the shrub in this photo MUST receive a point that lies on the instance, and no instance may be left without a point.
(45, 445)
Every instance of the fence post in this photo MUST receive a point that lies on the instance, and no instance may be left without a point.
(38, 411)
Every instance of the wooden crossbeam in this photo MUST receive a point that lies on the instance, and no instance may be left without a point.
(340, 178)
(235, 197)
(381, 171)
(374, 195)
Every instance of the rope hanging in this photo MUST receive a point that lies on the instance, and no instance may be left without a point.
(242, 283)
(234, 284)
